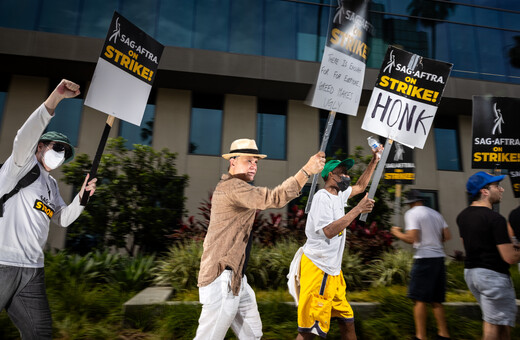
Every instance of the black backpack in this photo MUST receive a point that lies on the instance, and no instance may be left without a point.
(26, 180)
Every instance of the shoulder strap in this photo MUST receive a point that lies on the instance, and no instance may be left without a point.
(25, 181)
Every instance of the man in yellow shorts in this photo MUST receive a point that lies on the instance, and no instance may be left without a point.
(322, 286)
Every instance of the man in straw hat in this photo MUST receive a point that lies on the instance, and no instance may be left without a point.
(489, 253)
(226, 297)
(427, 230)
(322, 286)
(27, 213)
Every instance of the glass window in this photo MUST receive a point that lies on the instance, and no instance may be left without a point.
(271, 128)
(68, 119)
(490, 42)
(175, 26)
(312, 24)
(58, 16)
(96, 16)
(142, 134)
(142, 13)
(3, 96)
(246, 27)
(212, 25)
(206, 124)
(21, 14)
(337, 144)
(431, 199)
(280, 29)
(447, 147)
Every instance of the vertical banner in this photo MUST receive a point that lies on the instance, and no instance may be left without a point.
(407, 93)
(496, 133)
(125, 71)
(340, 79)
(515, 182)
(400, 166)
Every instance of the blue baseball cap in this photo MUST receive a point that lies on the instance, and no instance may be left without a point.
(479, 180)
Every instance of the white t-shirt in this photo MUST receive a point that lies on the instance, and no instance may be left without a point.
(25, 225)
(325, 253)
(430, 225)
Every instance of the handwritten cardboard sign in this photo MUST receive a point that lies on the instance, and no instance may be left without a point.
(405, 98)
(496, 133)
(125, 71)
(340, 79)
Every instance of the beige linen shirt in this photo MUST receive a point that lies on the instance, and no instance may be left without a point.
(233, 209)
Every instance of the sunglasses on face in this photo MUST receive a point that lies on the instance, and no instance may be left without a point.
(58, 147)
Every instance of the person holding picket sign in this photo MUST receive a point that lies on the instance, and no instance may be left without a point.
(322, 287)
(226, 297)
(30, 200)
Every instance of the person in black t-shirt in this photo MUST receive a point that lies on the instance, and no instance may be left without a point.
(489, 253)
(513, 226)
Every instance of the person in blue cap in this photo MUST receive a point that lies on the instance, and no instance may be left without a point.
(27, 213)
(489, 254)
(322, 285)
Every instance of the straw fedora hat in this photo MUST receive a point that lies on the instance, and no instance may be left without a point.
(243, 147)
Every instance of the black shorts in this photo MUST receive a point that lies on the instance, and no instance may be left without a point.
(428, 280)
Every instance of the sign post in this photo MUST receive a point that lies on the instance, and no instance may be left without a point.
(123, 78)
(399, 170)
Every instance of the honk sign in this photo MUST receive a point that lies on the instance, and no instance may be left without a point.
(405, 97)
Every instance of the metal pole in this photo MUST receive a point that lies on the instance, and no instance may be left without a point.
(324, 141)
(377, 174)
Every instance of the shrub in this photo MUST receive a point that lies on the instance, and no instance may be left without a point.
(370, 242)
(138, 201)
(354, 271)
(393, 268)
(179, 267)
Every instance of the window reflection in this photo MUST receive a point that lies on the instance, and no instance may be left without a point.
(337, 144)
(447, 145)
(69, 112)
(3, 96)
(271, 128)
(142, 134)
(457, 32)
(206, 124)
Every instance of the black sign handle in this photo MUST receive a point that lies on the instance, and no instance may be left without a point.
(97, 158)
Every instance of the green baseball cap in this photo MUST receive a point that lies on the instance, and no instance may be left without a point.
(333, 164)
(53, 136)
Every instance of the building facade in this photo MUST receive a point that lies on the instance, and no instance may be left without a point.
(243, 68)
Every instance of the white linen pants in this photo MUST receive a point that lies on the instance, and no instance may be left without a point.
(221, 310)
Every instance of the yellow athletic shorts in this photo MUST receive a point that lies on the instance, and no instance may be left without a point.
(322, 297)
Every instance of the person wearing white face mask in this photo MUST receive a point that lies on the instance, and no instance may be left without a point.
(26, 215)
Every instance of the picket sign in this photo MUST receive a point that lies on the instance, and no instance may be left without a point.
(123, 78)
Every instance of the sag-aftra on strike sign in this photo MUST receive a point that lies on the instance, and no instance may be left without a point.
(496, 133)
(406, 96)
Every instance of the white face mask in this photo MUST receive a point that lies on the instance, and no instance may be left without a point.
(53, 159)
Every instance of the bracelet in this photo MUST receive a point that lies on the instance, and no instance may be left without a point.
(305, 173)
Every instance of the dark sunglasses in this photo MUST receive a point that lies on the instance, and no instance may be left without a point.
(58, 147)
